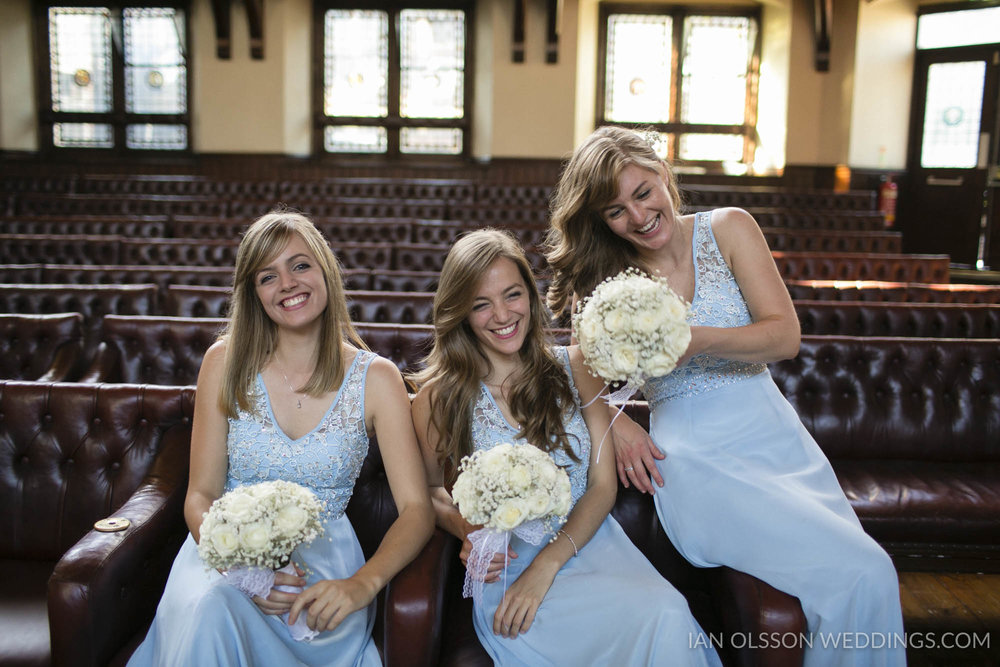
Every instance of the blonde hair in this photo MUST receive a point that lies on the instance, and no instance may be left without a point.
(539, 397)
(580, 247)
(252, 335)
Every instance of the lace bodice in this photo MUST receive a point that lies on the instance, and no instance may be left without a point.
(327, 459)
(490, 428)
(718, 302)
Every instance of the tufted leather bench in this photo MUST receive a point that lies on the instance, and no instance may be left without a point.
(762, 196)
(875, 290)
(912, 427)
(50, 225)
(40, 347)
(862, 266)
(836, 221)
(867, 318)
(91, 301)
(811, 240)
(107, 204)
(445, 189)
(74, 454)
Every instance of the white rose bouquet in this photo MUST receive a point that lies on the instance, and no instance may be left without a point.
(508, 488)
(631, 328)
(251, 531)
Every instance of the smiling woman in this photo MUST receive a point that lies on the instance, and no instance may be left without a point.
(283, 395)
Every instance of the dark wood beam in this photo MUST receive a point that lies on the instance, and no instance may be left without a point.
(221, 10)
(552, 31)
(517, 49)
(255, 17)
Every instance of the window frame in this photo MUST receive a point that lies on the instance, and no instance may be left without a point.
(118, 117)
(393, 122)
(674, 128)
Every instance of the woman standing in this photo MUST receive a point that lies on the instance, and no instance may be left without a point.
(290, 392)
(589, 596)
(740, 482)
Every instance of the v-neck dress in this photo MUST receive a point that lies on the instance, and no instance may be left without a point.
(201, 620)
(608, 605)
(746, 485)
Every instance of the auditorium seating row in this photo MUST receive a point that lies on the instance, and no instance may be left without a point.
(77, 596)
(28, 188)
(387, 230)
(73, 249)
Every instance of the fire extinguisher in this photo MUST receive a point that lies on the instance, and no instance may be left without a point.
(887, 193)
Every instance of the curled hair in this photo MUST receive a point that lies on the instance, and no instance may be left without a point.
(252, 335)
(580, 247)
(539, 396)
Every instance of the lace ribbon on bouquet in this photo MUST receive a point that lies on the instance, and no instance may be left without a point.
(618, 397)
(259, 581)
(488, 541)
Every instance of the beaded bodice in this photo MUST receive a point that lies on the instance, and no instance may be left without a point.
(490, 428)
(327, 459)
(718, 302)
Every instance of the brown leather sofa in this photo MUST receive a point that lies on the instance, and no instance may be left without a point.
(862, 266)
(71, 595)
(40, 347)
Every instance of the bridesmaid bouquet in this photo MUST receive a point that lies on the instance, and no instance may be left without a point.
(631, 328)
(508, 488)
(251, 531)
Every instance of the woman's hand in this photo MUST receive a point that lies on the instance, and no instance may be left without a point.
(496, 564)
(327, 603)
(517, 610)
(279, 602)
(635, 455)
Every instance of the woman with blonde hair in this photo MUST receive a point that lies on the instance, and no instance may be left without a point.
(289, 392)
(588, 596)
(737, 480)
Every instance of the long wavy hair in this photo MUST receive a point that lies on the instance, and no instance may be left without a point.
(252, 335)
(580, 247)
(539, 396)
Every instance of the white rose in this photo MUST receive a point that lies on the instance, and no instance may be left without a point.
(519, 477)
(546, 472)
(616, 320)
(564, 497)
(659, 364)
(539, 504)
(224, 540)
(494, 461)
(589, 329)
(510, 514)
(624, 360)
(241, 507)
(291, 519)
(647, 321)
(256, 537)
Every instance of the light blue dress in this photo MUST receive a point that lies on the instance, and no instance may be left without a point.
(201, 620)
(606, 606)
(745, 485)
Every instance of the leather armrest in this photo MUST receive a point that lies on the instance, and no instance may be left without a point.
(758, 613)
(414, 606)
(103, 368)
(106, 587)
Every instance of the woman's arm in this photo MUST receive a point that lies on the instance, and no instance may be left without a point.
(209, 457)
(445, 512)
(774, 333)
(387, 408)
(517, 610)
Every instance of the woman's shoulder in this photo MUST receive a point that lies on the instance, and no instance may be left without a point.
(215, 355)
(731, 220)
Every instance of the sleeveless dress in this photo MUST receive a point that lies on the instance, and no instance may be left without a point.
(745, 485)
(201, 620)
(606, 606)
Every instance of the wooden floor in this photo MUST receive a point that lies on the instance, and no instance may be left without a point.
(951, 620)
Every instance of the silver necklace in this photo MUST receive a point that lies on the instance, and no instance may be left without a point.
(294, 393)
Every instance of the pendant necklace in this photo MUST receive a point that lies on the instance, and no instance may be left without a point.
(294, 393)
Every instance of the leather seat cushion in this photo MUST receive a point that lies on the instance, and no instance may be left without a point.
(23, 616)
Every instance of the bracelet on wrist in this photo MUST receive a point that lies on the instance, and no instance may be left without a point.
(576, 552)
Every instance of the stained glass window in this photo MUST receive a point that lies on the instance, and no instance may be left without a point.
(964, 27)
(432, 63)
(394, 79)
(685, 73)
(952, 114)
(356, 63)
(638, 68)
(88, 46)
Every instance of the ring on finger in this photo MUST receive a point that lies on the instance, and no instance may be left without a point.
(629, 468)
